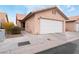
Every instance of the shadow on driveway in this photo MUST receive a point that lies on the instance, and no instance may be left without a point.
(68, 48)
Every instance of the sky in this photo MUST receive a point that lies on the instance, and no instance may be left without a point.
(12, 10)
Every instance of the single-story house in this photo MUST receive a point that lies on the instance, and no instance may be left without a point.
(20, 17)
(44, 21)
(3, 17)
(72, 24)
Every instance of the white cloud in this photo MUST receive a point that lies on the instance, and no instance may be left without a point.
(70, 8)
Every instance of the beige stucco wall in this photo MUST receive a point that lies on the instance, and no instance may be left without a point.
(70, 26)
(3, 17)
(29, 25)
(47, 14)
(18, 23)
(77, 21)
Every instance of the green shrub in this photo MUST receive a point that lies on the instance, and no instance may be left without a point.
(15, 30)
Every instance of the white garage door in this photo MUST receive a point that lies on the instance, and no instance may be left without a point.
(50, 26)
(77, 27)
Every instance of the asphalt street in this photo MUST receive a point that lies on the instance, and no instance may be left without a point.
(69, 48)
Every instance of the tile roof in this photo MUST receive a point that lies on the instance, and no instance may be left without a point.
(20, 16)
(74, 17)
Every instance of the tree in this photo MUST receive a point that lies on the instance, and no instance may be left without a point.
(7, 26)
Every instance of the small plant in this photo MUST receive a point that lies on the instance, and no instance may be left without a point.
(15, 30)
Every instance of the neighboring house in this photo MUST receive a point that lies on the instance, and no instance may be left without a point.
(20, 17)
(72, 24)
(3, 17)
(49, 20)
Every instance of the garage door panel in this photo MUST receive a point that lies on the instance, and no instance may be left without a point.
(50, 26)
(60, 26)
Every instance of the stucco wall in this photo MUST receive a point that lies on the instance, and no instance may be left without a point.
(2, 35)
(29, 25)
(3, 17)
(77, 21)
(47, 14)
(70, 26)
(18, 23)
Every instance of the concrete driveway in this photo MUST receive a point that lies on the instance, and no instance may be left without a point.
(46, 44)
